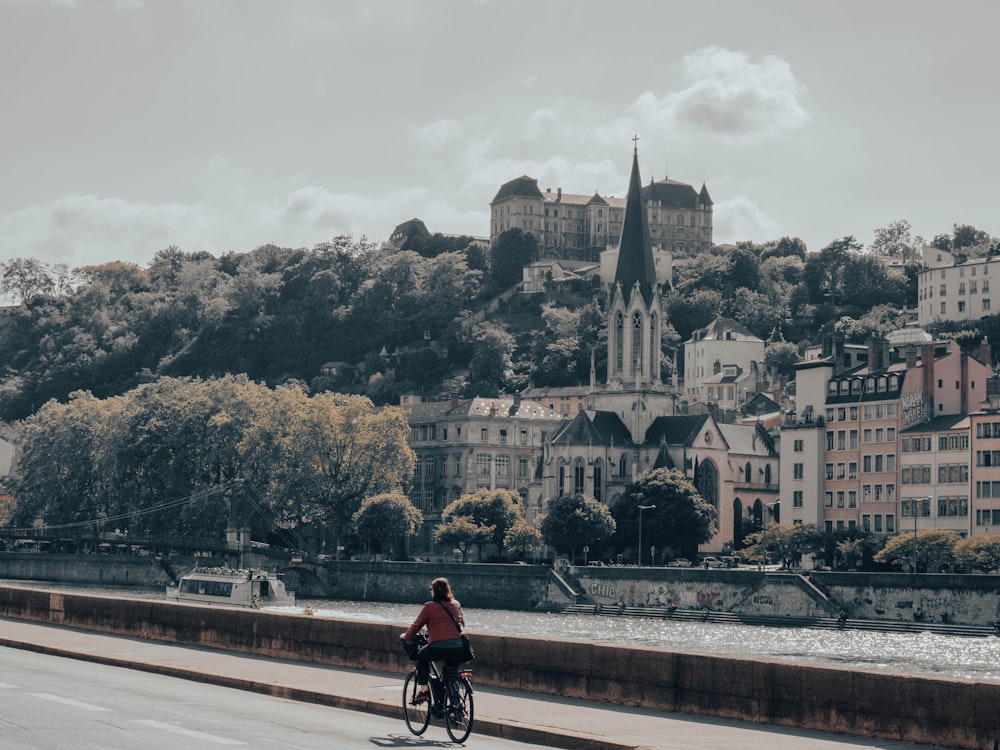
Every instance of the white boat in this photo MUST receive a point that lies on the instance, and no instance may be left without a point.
(234, 587)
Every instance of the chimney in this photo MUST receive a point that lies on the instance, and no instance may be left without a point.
(911, 357)
(927, 362)
(558, 194)
(986, 353)
(872, 364)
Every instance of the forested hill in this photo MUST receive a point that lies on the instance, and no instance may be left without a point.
(392, 323)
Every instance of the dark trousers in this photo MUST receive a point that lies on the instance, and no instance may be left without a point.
(451, 655)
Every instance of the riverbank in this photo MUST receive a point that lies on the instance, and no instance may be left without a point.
(924, 599)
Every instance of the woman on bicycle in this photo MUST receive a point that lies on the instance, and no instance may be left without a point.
(443, 618)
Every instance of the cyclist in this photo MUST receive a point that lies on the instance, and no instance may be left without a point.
(442, 616)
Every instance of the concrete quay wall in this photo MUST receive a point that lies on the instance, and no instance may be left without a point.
(951, 713)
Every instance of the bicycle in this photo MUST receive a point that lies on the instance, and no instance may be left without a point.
(451, 696)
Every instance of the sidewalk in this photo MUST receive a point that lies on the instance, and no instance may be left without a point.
(523, 717)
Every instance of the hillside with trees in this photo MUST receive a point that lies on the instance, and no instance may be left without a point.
(439, 319)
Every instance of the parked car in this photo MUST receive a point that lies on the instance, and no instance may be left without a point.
(680, 562)
(712, 562)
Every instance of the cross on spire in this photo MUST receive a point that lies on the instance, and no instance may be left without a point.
(635, 143)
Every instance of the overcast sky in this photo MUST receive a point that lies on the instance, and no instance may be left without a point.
(223, 125)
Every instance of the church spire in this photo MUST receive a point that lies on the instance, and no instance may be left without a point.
(635, 255)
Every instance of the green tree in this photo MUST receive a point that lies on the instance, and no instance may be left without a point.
(497, 510)
(781, 357)
(463, 533)
(859, 552)
(681, 519)
(512, 251)
(381, 519)
(572, 522)
(522, 538)
(897, 241)
(979, 553)
(491, 366)
(934, 548)
(785, 542)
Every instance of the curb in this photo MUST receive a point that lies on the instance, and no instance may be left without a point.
(508, 730)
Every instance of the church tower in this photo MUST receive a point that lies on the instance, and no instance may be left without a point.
(635, 309)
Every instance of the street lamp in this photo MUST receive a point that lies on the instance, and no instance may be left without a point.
(641, 509)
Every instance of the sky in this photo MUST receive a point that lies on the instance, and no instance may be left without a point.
(129, 126)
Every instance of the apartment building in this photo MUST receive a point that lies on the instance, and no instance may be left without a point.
(465, 445)
(720, 359)
(951, 288)
(892, 438)
(984, 439)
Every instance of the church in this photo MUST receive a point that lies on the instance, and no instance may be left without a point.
(629, 424)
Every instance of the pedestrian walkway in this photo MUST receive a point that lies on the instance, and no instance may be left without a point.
(524, 717)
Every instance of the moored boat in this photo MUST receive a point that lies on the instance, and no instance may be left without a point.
(235, 587)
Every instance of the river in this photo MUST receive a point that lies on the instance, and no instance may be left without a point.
(920, 653)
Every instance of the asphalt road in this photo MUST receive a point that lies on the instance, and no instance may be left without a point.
(53, 703)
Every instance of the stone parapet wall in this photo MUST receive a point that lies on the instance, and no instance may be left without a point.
(952, 713)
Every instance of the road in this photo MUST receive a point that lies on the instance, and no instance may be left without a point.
(53, 703)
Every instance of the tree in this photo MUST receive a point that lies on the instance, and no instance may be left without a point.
(979, 553)
(572, 522)
(681, 519)
(383, 518)
(512, 251)
(859, 552)
(781, 357)
(491, 365)
(934, 548)
(897, 241)
(786, 542)
(462, 532)
(522, 538)
(496, 510)
(24, 278)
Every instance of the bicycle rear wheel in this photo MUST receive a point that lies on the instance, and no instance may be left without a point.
(459, 713)
(417, 715)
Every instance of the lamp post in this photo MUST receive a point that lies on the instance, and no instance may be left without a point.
(641, 509)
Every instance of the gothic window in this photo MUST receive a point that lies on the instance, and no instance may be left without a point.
(598, 482)
(578, 475)
(622, 465)
(706, 481)
(654, 346)
(619, 341)
(637, 341)
(747, 473)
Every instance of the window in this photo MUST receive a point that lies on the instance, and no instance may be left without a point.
(797, 471)
(853, 441)
(798, 446)
(578, 476)
(524, 437)
(841, 440)
(829, 471)
(797, 499)
(503, 466)
(503, 437)
(484, 435)
(829, 441)
(483, 464)
(522, 468)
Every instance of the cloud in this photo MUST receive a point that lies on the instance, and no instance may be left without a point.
(437, 134)
(728, 96)
(316, 212)
(79, 229)
(739, 219)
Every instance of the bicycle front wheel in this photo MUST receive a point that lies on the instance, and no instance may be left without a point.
(458, 714)
(417, 715)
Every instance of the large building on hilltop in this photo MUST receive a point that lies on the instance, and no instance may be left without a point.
(573, 226)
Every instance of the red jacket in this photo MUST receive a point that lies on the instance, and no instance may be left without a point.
(440, 626)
